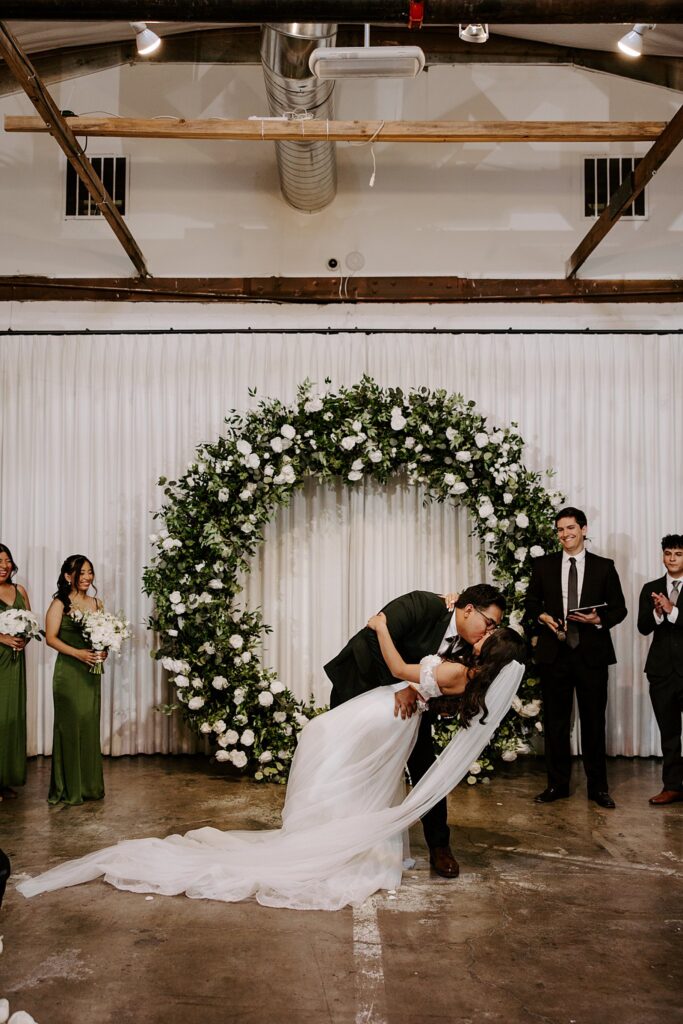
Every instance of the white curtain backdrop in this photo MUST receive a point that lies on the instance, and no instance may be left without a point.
(89, 422)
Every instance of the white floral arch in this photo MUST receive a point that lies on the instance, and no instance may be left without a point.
(214, 518)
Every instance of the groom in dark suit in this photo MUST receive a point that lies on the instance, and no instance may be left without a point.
(660, 613)
(574, 651)
(420, 624)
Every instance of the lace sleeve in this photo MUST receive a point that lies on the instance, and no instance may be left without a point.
(428, 686)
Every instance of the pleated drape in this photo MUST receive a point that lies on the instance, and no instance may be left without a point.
(90, 422)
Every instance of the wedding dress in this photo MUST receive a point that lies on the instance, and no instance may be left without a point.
(342, 823)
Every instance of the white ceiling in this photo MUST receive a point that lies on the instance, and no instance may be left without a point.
(37, 36)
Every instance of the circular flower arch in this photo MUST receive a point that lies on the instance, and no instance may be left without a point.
(213, 521)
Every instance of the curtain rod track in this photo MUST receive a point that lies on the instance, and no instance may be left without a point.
(509, 331)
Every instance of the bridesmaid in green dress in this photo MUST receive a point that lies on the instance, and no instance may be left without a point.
(12, 685)
(76, 756)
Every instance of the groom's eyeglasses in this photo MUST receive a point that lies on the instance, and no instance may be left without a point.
(491, 624)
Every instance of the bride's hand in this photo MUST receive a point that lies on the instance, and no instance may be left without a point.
(450, 600)
(375, 621)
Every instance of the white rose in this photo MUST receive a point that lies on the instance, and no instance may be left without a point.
(531, 710)
(196, 683)
(348, 443)
(252, 461)
(243, 447)
(277, 687)
(459, 487)
(238, 758)
(236, 641)
(538, 726)
(231, 736)
(358, 464)
(475, 768)
(195, 703)
(509, 755)
(265, 757)
(450, 433)
(497, 436)
(205, 728)
(223, 755)
(536, 551)
(288, 431)
(516, 618)
(463, 456)
(215, 584)
(245, 658)
(247, 528)
(247, 738)
(208, 648)
(170, 543)
(485, 509)
(375, 456)
(520, 554)
(354, 475)
(245, 495)
(280, 717)
(153, 538)
(181, 681)
(313, 405)
(449, 479)
(507, 498)
(287, 730)
(224, 494)
(300, 719)
(219, 727)
(409, 442)
(276, 444)
(175, 597)
(523, 748)
(265, 699)
(172, 632)
(238, 695)
(398, 421)
(481, 439)
(522, 521)
(521, 586)
(179, 609)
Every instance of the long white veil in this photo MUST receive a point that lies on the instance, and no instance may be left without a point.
(342, 834)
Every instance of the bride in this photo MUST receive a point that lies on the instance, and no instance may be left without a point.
(345, 813)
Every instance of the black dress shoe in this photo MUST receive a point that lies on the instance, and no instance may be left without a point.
(443, 862)
(603, 800)
(550, 794)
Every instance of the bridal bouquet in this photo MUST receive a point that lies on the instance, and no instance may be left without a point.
(21, 623)
(103, 630)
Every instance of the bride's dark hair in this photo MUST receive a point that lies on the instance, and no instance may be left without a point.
(71, 565)
(498, 650)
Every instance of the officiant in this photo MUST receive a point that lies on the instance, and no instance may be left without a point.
(573, 600)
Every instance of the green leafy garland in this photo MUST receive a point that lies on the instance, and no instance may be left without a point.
(214, 517)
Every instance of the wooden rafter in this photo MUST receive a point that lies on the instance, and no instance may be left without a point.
(629, 190)
(327, 290)
(317, 130)
(53, 122)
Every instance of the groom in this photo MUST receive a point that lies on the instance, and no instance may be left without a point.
(419, 624)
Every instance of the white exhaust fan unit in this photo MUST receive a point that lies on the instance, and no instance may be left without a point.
(367, 62)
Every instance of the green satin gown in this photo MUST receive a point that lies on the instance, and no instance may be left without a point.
(76, 756)
(12, 710)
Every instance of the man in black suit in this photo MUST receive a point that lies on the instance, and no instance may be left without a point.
(660, 613)
(420, 624)
(573, 652)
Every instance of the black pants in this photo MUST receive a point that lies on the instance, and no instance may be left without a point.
(422, 757)
(666, 694)
(4, 873)
(559, 680)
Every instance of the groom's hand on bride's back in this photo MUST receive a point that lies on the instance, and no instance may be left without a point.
(405, 702)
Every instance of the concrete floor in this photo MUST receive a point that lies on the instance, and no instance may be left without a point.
(564, 914)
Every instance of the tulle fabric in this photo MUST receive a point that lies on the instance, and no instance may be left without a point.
(342, 822)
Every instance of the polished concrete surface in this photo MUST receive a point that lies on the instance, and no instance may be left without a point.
(563, 914)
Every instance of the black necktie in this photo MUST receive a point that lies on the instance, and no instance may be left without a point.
(572, 602)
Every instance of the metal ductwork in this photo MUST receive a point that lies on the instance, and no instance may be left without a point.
(308, 170)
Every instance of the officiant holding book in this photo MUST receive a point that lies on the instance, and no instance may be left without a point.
(573, 601)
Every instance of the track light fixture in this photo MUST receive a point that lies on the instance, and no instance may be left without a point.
(146, 41)
(632, 43)
(473, 33)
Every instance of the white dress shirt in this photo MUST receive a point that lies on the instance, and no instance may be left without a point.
(673, 614)
(580, 572)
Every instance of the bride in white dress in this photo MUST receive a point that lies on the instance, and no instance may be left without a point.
(345, 813)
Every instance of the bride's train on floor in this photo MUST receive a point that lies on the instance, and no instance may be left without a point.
(343, 821)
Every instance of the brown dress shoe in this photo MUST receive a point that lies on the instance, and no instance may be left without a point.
(443, 862)
(667, 796)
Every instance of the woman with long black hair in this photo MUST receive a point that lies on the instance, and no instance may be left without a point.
(12, 684)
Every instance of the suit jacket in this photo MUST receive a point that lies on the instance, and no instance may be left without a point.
(666, 650)
(600, 583)
(417, 623)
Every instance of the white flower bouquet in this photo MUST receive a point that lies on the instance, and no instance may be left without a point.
(20, 623)
(103, 630)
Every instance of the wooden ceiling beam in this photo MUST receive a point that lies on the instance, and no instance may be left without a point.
(388, 12)
(53, 122)
(629, 190)
(327, 290)
(318, 130)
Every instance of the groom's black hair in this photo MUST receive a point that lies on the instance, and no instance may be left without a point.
(481, 595)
